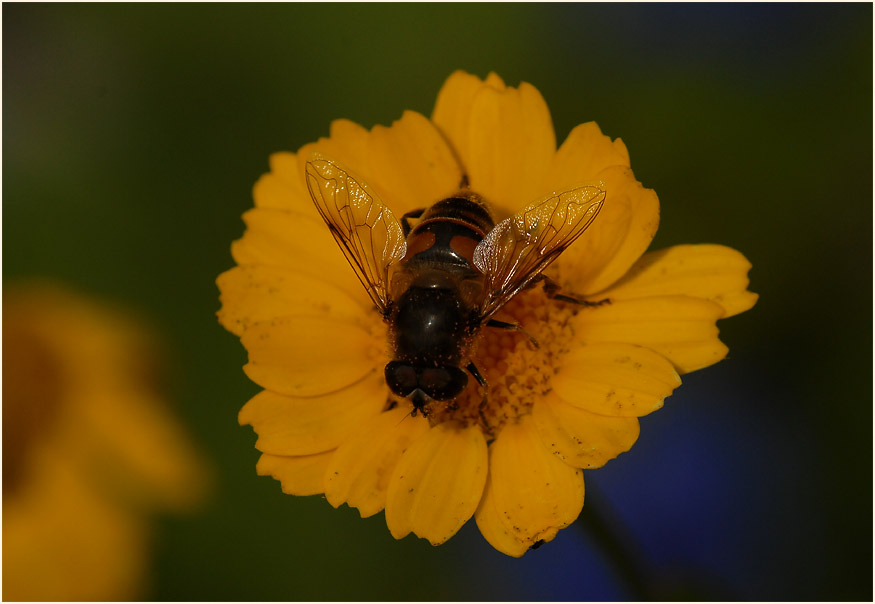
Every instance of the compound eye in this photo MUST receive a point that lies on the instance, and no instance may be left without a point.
(442, 383)
(401, 378)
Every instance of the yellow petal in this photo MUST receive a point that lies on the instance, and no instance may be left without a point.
(580, 438)
(272, 192)
(615, 379)
(489, 521)
(360, 470)
(617, 237)
(284, 165)
(493, 80)
(308, 355)
(347, 143)
(413, 162)
(257, 293)
(297, 242)
(304, 426)
(84, 379)
(453, 104)
(409, 165)
(437, 484)
(680, 328)
(535, 493)
(65, 540)
(713, 272)
(350, 138)
(504, 138)
(134, 438)
(303, 475)
(584, 154)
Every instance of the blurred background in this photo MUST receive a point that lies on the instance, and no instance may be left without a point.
(132, 136)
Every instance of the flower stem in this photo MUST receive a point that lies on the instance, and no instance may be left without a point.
(606, 529)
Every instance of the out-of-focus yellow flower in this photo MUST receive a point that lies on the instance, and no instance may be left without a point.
(90, 448)
(326, 421)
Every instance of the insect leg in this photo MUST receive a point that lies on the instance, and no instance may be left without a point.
(512, 327)
(472, 368)
(405, 220)
(551, 288)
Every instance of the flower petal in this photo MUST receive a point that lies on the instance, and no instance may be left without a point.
(409, 165)
(504, 137)
(493, 529)
(133, 436)
(302, 475)
(361, 467)
(347, 140)
(535, 493)
(346, 143)
(308, 355)
(584, 154)
(304, 426)
(413, 161)
(299, 242)
(617, 237)
(65, 540)
(713, 272)
(438, 483)
(680, 328)
(615, 379)
(454, 102)
(580, 438)
(273, 192)
(256, 293)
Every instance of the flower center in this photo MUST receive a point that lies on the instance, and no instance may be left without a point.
(516, 372)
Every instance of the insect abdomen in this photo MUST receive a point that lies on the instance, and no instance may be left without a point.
(449, 231)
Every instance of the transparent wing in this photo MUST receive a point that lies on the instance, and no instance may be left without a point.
(365, 229)
(520, 247)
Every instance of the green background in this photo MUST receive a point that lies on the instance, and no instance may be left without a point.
(132, 135)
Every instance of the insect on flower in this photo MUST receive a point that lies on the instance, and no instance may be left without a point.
(438, 283)
(513, 353)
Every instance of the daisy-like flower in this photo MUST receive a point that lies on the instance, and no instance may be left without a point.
(326, 420)
(90, 449)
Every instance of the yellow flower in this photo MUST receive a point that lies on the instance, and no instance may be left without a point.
(89, 449)
(327, 422)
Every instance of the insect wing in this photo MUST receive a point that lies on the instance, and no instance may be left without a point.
(520, 247)
(364, 227)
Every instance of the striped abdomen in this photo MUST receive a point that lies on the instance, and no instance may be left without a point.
(448, 232)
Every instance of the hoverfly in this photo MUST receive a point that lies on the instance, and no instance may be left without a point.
(438, 283)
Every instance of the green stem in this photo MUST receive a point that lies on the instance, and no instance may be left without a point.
(606, 529)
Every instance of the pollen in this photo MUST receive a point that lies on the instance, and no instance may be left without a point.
(516, 371)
